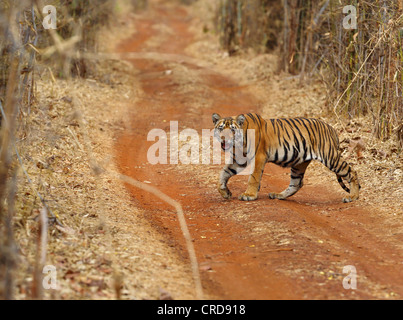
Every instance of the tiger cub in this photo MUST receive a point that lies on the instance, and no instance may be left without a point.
(292, 143)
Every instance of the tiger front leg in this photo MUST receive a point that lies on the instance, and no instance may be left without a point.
(254, 181)
(227, 172)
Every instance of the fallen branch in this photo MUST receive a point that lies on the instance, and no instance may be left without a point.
(40, 260)
(182, 223)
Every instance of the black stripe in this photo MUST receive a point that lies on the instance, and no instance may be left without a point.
(335, 165)
(331, 157)
(287, 144)
(311, 131)
(302, 137)
(274, 127)
(245, 142)
(252, 117)
(296, 141)
(341, 168)
(293, 158)
(286, 131)
(285, 156)
(275, 157)
(345, 175)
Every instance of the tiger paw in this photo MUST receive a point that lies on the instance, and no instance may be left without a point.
(247, 197)
(279, 196)
(225, 193)
(347, 199)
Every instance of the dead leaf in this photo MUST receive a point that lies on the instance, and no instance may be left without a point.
(356, 144)
(165, 295)
(65, 229)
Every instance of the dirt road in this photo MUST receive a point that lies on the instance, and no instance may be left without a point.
(265, 249)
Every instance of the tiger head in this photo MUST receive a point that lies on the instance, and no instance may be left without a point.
(228, 131)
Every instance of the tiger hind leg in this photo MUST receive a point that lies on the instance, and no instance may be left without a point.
(352, 178)
(296, 183)
(341, 182)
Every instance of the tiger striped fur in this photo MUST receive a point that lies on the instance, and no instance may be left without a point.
(293, 143)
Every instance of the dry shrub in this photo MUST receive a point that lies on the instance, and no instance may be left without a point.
(139, 4)
(246, 23)
(362, 68)
(76, 18)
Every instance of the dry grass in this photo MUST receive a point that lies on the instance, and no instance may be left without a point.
(70, 139)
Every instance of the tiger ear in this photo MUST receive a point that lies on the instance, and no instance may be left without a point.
(216, 117)
(240, 120)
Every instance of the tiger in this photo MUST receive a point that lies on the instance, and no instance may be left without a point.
(287, 142)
